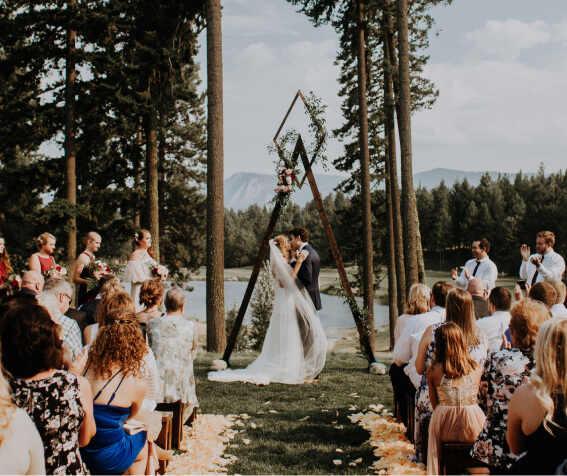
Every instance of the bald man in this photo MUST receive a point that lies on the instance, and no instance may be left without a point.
(478, 290)
(32, 283)
(80, 272)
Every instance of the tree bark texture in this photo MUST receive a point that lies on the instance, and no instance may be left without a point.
(138, 170)
(152, 179)
(70, 146)
(161, 193)
(216, 334)
(392, 291)
(404, 122)
(419, 251)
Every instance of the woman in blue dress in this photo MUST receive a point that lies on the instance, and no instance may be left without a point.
(115, 370)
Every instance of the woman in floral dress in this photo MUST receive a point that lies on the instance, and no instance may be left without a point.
(504, 372)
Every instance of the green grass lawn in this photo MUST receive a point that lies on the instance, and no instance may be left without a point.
(281, 444)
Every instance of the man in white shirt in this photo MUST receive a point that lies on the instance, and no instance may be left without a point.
(546, 264)
(559, 309)
(498, 322)
(405, 378)
(481, 266)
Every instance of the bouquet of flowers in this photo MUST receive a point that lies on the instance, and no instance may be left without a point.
(159, 271)
(97, 269)
(15, 281)
(285, 181)
(56, 271)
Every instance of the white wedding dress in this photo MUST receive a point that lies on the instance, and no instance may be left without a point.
(295, 347)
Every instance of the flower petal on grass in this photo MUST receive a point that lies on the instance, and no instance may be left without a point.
(253, 426)
(304, 419)
(272, 411)
(337, 462)
(338, 450)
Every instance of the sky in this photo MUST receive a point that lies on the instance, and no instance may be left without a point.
(500, 67)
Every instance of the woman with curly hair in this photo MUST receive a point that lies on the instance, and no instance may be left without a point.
(5, 266)
(138, 269)
(537, 415)
(151, 296)
(113, 299)
(43, 260)
(115, 370)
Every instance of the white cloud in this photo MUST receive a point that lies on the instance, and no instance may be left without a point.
(507, 39)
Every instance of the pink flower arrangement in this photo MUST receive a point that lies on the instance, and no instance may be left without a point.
(56, 271)
(285, 180)
(160, 271)
(15, 281)
(97, 269)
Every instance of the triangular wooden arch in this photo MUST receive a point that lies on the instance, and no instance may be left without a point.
(299, 151)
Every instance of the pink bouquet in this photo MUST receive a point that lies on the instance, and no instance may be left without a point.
(56, 271)
(160, 271)
(285, 181)
(97, 269)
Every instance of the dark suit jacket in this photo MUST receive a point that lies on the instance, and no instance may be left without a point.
(79, 316)
(480, 307)
(309, 276)
(90, 308)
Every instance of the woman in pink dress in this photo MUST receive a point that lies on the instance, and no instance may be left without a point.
(453, 381)
(43, 260)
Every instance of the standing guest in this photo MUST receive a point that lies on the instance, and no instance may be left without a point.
(115, 370)
(480, 266)
(5, 266)
(504, 371)
(90, 307)
(63, 292)
(139, 265)
(546, 264)
(151, 296)
(453, 381)
(21, 448)
(32, 283)
(537, 415)
(419, 302)
(559, 309)
(81, 272)
(174, 342)
(42, 261)
(477, 289)
(58, 402)
(496, 324)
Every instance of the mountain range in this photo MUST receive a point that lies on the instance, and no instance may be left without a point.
(246, 188)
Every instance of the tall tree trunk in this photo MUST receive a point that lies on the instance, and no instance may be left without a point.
(404, 122)
(161, 194)
(368, 274)
(216, 334)
(152, 179)
(392, 291)
(390, 126)
(419, 251)
(70, 146)
(138, 170)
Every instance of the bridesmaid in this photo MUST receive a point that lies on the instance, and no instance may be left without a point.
(5, 267)
(43, 260)
(139, 265)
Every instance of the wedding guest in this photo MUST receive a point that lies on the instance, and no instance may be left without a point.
(480, 266)
(559, 309)
(63, 292)
(174, 342)
(537, 415)
(90, 307)
(496, 324)
(504, 371)
(112, 300)
(21, 448)
(546, 264)
(115, 370)
(43, 261)
(477, 289)
(403, 375)
(32, 283)
(543, 292)
(151, 296)
(419, 302)
(139, 265)
(453, 382)
(5, 266)
(81, 272)
(459, 305)
(58, 402)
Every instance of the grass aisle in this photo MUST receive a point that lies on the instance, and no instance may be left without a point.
(280, 443)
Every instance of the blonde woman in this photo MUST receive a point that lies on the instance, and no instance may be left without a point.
(43, 260)
(537, 415)
(21, 448)
(419, 301)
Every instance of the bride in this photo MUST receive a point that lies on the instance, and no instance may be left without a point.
(295, 346)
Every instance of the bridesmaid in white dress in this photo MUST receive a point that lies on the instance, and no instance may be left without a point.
(139, 265)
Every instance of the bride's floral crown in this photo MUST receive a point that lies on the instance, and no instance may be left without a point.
(136, 236)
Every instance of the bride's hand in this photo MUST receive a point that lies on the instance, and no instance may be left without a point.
(301, 256)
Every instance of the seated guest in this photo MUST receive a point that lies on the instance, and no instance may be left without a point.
(115, 370)
(402, 372)
(91, 306)
(21, 448)
(63, 292)
(537, 415)
(453, 381)
(419, 301)
(59, 403)
(477, 289)
(151, 297)
(498, 321)
(174, 342)
(543, 292)
(505, 371)
(114, 298)
(460, 311)
(558, 309)
(32, 283)
(43, 261)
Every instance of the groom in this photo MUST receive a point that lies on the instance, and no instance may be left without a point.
(309, 272)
